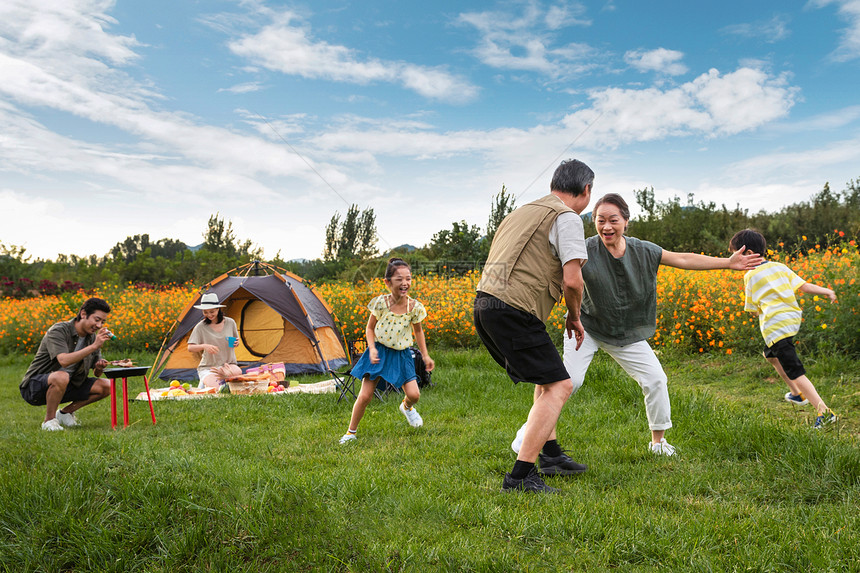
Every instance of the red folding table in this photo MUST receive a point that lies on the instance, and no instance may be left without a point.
(125, 373)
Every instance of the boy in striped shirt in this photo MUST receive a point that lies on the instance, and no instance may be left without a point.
(769, 292)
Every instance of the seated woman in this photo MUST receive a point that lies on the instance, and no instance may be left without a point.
(210, 336)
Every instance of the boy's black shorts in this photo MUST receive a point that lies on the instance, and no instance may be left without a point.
(518, 341)
(784, 351)
(36, 391)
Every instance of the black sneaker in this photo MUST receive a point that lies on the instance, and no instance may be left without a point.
(531, 483)
(562, 465)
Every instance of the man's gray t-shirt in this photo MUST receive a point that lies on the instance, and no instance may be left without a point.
(62, 338)
(619, 304)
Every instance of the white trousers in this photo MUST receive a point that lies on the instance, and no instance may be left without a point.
(638, 360)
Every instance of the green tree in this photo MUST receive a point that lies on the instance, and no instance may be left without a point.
(503, 204)
(461, 243)
(130, 248)
(353, 238)
(220, 238)
(694, 227)
(14, 264)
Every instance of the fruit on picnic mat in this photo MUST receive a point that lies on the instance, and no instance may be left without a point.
(186, 386)
(175, 383)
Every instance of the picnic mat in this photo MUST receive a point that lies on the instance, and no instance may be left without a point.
(324, 387)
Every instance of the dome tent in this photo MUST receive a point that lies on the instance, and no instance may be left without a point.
(279, 318)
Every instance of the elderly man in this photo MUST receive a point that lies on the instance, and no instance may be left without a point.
(536, 257)
(60, 370)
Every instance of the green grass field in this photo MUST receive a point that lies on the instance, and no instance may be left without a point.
(261, 484)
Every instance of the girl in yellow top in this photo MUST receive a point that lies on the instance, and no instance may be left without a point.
(769, 292)
(394, 318)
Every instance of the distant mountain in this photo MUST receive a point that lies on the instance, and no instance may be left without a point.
(195, 248)
(401, 248)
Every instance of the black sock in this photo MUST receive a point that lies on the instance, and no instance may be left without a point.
(521, 469)
(552, 449)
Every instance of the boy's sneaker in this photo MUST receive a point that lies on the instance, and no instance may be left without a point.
(52, 425)
(663, 448)
(562, 465)
(824, 419)
(531, 484)
(518, 441)
(798, 399)
(347, 438)
(68, 420)
(412, 416)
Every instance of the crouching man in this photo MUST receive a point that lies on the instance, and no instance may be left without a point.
(60, 370)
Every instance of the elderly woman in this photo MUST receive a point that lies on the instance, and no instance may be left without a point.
(619, 308)
(213, 336)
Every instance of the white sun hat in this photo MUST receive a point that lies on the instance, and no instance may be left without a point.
(209, 300)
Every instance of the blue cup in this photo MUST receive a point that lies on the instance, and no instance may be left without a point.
(232, 341)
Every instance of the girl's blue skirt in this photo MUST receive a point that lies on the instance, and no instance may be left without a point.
(397, 367)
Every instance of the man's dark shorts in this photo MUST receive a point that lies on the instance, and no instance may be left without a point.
(37, 390)
(785, 352)
(518, 341)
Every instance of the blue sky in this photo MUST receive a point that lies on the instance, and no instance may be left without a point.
(121, 118)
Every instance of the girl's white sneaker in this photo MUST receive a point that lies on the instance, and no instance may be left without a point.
(412, 416)
(346, 438)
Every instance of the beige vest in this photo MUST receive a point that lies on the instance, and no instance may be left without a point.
(522, 269)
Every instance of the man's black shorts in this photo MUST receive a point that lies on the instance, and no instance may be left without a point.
(784, 351)
(36, 391)
(518, 341)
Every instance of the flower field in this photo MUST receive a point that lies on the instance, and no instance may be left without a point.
(698, 312)
(139, 317)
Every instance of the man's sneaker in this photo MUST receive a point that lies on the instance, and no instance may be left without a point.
(68, 420)
(824, 419)
(562, 465)
(531, 483)
(412, 416)
(518, 441)
(347, 438)
(52, 425)
(798, 399)
(663, 448)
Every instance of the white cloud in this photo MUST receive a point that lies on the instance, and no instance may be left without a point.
(770, 31)
(527, 41)
(567, 14)
(791, 164)
(710, 105)
(829, 121)
(287, 46)
(244, 88)
(74, 28)
(660, 60)
(849, 10)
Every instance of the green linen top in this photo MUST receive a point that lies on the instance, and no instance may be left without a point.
(619, 303)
